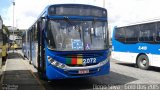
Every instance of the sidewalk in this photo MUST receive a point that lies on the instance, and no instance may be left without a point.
(1, 69)
(17, 75)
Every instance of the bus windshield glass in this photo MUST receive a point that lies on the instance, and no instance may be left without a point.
(70, 35)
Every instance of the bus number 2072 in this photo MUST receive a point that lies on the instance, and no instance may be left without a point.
(89, 60)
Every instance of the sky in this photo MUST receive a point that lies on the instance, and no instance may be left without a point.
(119, 11)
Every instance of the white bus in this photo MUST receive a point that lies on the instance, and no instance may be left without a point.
(137, 43)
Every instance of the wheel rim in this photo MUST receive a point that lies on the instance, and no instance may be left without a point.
(143, 62)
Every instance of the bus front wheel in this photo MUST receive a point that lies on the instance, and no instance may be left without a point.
(143, 62)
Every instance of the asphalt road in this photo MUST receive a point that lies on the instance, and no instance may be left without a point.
(122, 76)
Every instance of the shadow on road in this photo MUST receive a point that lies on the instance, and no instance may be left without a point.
(151, 68)
(127, 64)
(157, 69)
(112, 79)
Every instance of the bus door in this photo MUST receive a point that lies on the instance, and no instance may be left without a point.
(30, 46)
(41, 47)
(34, 46)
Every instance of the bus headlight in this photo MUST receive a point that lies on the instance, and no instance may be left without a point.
(56, 63)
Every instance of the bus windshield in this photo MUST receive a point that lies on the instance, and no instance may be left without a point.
(72, 35)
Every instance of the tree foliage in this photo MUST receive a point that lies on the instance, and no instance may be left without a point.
(6, 30)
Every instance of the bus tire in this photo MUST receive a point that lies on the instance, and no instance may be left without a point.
(143, 62)
(42, 76)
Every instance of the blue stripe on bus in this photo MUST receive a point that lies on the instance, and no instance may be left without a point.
(136, 48)
(78, 17)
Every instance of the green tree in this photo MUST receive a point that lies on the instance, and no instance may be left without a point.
(6, 30)
(5, 34)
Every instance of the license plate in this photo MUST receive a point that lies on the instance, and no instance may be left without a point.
(83, 71)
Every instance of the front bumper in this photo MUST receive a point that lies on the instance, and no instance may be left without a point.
(72, 72)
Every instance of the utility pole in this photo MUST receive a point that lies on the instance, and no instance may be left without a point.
(104, 3)
(13, 24)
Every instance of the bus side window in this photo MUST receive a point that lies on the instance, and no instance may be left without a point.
(158, 36)
(132, 34)
(120, 34)
(147, 32)
(158, 32)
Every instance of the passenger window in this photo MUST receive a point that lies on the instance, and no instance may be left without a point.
(158, 32)
(120, 34)
(132, 34)
(147, 32)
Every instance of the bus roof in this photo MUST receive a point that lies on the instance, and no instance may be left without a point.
(86, 5)
(69, 5)
(46, 12)
(141, 22)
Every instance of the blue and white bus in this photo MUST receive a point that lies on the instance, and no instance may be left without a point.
(69, 41)
(137, 43)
